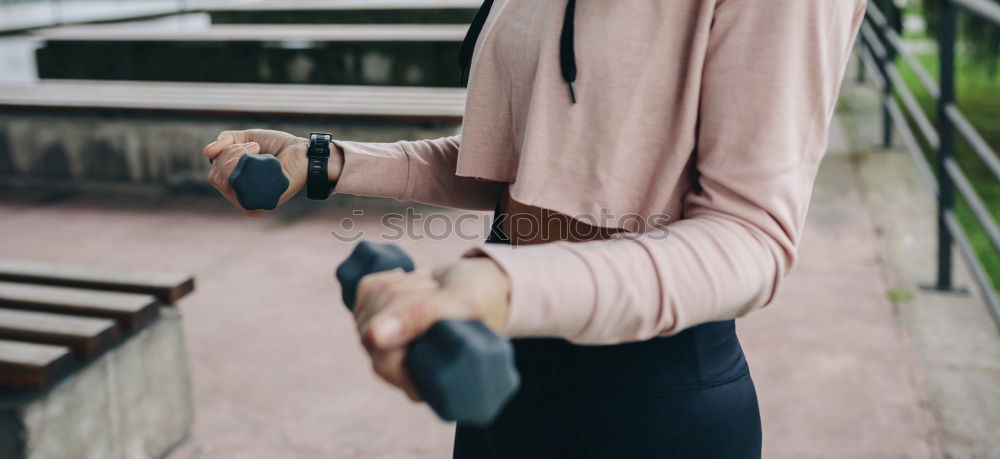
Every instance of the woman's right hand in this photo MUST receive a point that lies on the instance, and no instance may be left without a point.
(230, 146)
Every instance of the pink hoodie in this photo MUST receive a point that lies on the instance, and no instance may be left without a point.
(713, 113)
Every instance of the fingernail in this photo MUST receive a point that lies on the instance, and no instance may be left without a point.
(387, 330)
(212, 145)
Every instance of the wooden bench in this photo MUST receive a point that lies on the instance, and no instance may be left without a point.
(91, 355)
(346, 12)
(343, 54)
(53, 315)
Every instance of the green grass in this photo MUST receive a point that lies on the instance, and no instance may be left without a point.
(899, 296)
(978, 94)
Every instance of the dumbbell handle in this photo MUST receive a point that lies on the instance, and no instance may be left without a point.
(258, 181)
(475, 389)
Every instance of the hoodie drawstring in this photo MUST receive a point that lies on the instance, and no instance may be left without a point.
(567, 52)
(469, 43)
(567, 55)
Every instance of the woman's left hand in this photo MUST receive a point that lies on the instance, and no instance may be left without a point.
(395, 307)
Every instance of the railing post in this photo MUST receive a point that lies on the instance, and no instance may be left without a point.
(887, 89)
(946, 146)
(860, 77)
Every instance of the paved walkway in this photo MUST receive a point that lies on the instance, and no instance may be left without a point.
(278, 372)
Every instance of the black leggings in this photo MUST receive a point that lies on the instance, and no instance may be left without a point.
(685, 396)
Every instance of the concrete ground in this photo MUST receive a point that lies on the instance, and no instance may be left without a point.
(954, 339)
(277, 370)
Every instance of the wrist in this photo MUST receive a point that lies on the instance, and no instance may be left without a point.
(494, 286)
(502, 312)
(319, 187)
(336, 164)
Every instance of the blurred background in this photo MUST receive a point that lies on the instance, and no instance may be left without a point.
(142, 316)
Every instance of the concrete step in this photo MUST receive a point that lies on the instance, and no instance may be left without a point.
(29, 14)
(347, 12)
(133, 401)
(344, 54)
(60, 134)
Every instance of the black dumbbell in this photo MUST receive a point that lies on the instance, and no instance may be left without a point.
(463, 370)
(258, 182)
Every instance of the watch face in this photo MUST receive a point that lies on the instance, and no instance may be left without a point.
(319, 144)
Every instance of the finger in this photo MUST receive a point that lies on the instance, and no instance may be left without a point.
(400, 294)
(218, 176)
(391, 367)
(397, 285)
(441, 272)
(231, 155)
(381, 290)
(225, 140)
(398, 326)
(372, 283)
(368, 323)
(223, 168)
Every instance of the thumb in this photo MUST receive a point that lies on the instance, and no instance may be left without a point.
(295, 165)
(397, 327)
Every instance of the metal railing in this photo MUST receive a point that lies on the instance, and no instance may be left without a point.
(881, 47)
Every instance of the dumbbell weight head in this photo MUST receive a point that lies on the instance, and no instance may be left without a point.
(462, 369)
(258, 182)
(369, 258)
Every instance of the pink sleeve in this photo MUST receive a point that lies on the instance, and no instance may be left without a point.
(769, 89)
(419, 171)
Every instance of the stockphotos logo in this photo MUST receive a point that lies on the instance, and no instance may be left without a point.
(416, 224)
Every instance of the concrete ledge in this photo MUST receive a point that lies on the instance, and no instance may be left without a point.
(146, 150)
(134, 401)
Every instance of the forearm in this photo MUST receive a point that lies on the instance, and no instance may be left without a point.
(604, 292)
(419, 171)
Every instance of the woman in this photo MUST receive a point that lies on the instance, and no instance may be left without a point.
(663, 153)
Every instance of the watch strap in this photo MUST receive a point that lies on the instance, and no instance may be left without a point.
(318, 186)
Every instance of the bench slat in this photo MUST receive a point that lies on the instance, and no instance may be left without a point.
(446, 104)
(330, 5)
(345, 12)
(86, 336)
(381, 95)
(338, 92)
(131, 311)
(31, 365)
(168, 288)
(260, 33)
(158, 97)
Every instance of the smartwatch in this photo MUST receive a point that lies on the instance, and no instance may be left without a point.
(318, 185)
